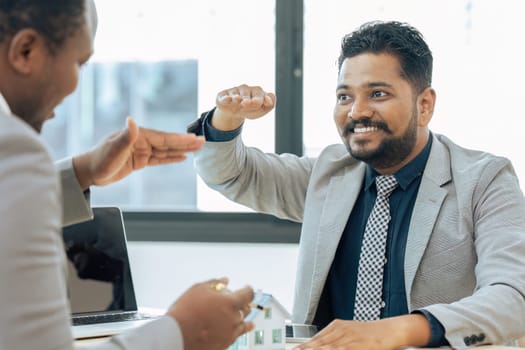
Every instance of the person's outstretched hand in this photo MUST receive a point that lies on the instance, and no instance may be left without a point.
(131, 149)
(235, 105)
(210, 316)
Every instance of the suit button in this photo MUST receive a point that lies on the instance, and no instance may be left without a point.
(473, 339)
(481, 337)
(467, 341)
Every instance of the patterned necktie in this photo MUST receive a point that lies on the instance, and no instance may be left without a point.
(372, 259)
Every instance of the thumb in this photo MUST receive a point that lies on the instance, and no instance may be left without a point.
(132, 131)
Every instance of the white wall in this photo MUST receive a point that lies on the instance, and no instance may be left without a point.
(164, 270)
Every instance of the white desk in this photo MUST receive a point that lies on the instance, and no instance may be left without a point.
(290, 346)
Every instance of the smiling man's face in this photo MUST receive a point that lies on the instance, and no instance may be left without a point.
(376, 112)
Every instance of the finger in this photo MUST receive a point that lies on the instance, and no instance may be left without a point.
(244, 327)
(229, 97)
(244, 296)
(223, 280)
(164, 161)
(246, 310)
(252, 97)
(181, 142)
(124, 139)
(330, 336)
(162, 153)
(218, 284)
(223, 100)
(165, 140)
(269, 100)
(248, 92)
(242, 315)
(133, 130)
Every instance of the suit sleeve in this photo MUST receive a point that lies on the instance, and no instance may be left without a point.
(161, 334)
(266, 182)
(35, 312)
(495, 312)
(75, 202)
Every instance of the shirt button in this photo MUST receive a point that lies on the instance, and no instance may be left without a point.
(467, 341)
(383, 304)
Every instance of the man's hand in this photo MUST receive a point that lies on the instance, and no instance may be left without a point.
(210, 316)
(387, 334)
(239, 103)
(131, 149)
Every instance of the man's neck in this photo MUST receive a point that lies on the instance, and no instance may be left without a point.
(4, 107)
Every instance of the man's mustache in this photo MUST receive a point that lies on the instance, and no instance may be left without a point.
(365, 123)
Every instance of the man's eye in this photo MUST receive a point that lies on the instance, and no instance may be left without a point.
(378, 94)
(342, 98)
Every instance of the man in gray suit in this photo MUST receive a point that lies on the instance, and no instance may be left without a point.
(452, 271)
(42, 46)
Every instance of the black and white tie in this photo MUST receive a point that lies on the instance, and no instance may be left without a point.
(368, 298)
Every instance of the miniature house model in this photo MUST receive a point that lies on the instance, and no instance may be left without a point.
(269, 317)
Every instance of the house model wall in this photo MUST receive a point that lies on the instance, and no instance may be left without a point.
(269, 317)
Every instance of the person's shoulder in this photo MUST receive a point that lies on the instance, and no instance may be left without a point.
(471, 159)
(22, 153)
(17, 138)
(335, 151)
(466, 152)
(333, 160)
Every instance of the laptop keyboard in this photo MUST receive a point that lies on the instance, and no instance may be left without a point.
(91, 319)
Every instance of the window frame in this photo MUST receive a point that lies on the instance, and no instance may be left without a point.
(179, 226)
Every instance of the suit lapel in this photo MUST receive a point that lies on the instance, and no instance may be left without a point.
(340, 198)
(429, 200)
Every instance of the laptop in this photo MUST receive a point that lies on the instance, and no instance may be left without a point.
(100, 285)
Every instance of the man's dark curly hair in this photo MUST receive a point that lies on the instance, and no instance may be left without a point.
(395, 38)
(56, 20)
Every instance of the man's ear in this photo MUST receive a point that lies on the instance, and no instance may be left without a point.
(425, 106)
(27, 50)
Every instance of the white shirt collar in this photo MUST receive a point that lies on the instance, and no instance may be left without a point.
(4, 107)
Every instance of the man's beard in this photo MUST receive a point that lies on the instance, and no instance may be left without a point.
(391, 151)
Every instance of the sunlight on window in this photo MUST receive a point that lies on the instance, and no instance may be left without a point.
(137, 47)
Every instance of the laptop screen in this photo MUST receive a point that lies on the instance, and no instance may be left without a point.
(99, 276)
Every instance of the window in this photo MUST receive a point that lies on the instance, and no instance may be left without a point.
(277, 336)
(258, 337)
(477, 67)
(268, 313)
(164, 63)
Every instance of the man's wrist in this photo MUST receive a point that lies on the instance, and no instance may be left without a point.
(410, 330)
(437, 331)
(224, 123)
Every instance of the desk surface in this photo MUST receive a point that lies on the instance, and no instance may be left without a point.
(290, 346)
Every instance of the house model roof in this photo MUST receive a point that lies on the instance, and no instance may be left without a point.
(263, 300)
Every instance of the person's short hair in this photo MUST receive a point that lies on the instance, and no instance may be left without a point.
(395, 38)
(55, 20)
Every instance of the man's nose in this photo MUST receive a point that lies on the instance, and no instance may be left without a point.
(360, 109)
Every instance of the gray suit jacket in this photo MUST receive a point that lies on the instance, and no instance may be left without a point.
(465, 253)
(33, 300)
